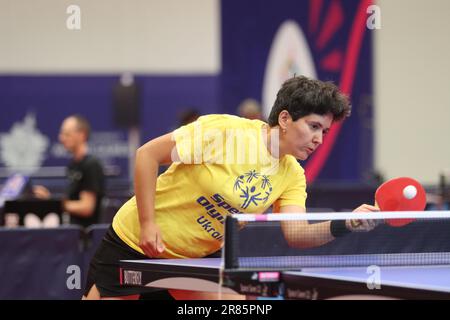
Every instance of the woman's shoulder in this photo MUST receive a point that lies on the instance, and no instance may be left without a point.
(292, 163)
(230, 120)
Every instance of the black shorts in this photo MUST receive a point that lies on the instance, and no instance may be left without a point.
(104, 270)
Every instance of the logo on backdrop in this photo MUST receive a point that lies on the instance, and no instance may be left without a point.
(334, 58)
(23, 148)
(289, 55)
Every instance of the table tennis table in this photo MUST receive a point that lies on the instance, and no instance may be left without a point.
(352, 282)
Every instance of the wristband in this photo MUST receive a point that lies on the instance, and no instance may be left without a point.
(338, 228)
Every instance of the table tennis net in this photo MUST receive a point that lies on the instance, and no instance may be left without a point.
(281, 241)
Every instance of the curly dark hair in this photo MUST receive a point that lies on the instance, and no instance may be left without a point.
(301, 96)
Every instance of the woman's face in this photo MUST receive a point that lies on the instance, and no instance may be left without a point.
(304, 136)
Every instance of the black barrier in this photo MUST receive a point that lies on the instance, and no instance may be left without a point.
(46, 263)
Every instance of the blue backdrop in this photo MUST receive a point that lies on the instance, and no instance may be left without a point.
(248, 29)
(52, 98)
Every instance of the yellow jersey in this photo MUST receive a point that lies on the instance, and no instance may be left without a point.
(225, 169)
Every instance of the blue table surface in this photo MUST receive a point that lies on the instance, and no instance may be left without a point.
(418, 277)
(436, 277)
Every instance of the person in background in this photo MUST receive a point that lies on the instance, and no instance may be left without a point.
(86, 185)
(187, 116)
(250, 109)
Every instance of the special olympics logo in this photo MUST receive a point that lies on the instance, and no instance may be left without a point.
(254, 188)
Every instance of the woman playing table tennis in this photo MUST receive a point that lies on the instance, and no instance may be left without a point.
(220, 165)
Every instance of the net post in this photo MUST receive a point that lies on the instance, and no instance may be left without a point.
(231, 242)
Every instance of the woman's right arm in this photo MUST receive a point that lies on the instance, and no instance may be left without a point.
(149, 157)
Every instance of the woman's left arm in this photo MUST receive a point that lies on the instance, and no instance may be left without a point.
(302, 234)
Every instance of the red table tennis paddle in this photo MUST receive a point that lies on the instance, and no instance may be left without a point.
(400, 194)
